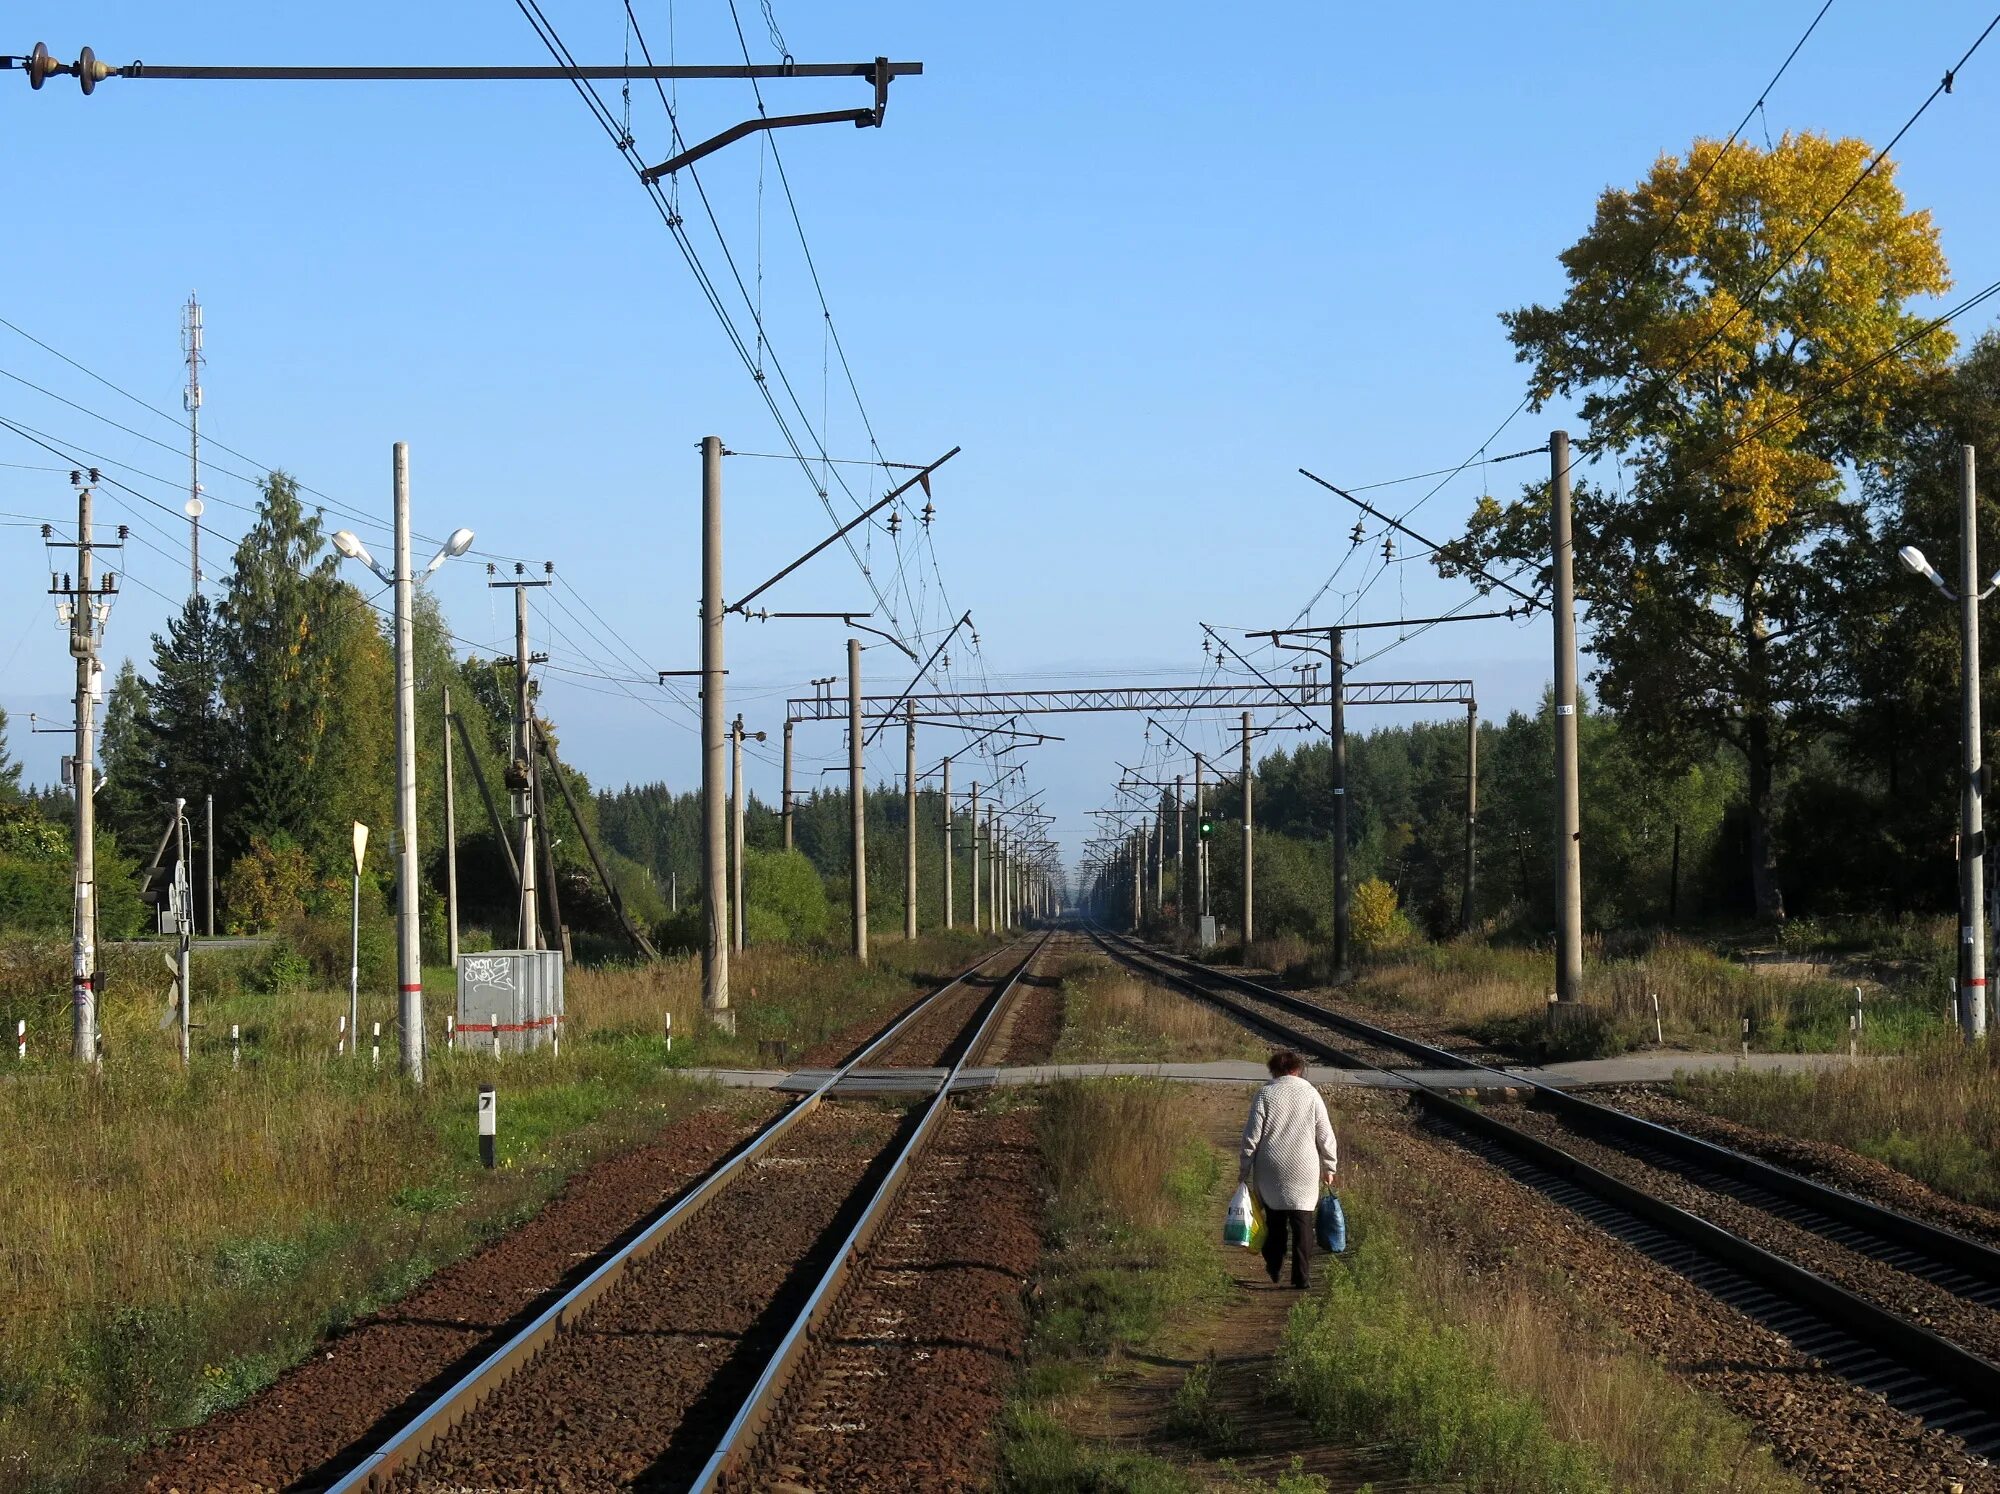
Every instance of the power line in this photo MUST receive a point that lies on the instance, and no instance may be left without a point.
(1447, 474)
(346, 510)
(1783, 261)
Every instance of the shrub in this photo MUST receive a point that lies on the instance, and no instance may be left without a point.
(785, 885)
(267, 886)
(1377, 923)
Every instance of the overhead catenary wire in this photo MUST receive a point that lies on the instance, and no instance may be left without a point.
(1445, 475)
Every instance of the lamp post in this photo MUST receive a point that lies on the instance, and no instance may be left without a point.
(1971, 828)
(409, 950)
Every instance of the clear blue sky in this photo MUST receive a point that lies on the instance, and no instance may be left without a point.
(1141, 262)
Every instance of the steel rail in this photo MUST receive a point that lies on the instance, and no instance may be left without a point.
(727, 1468)
(1947, 1246)
(1929, 1355)
(438, 1419)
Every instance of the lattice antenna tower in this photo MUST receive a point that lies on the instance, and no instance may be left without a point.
(191, 402)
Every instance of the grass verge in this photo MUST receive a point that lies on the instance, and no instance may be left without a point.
(1493, 1380)
(1933, 1113)
(1111, 1016)
(1128, 1255)
(1498, 994)
(173, 1240)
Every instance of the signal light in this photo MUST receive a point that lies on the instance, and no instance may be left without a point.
(1207, 827)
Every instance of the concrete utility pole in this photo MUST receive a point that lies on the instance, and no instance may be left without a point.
(1971, 828)
(992, 875)
(1569, 812)
(736, 910)
(714, 727)
(1342, 893)
(1249, 846)
(1201, 841)
(785, 808)
(1160, 861)
(208, 860)
(184, 931)
(524, 801)
(409, 944)
(972, 845)
(1467, 913)
(1136, 842)
(947, 846)
(857, 785)
(87, 607)
(910, 820)
(450, 837)
(1180, 855)
(191, 402)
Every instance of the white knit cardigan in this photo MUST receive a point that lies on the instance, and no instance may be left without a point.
(1287, 1143)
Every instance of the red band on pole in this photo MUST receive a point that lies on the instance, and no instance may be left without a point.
(417, 987)
(1976, 981)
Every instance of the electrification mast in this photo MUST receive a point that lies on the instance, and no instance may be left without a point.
(191, 401)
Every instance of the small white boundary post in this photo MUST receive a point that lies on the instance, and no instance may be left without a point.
(489, 1123)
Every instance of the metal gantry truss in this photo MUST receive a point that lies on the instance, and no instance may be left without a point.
(966, 705)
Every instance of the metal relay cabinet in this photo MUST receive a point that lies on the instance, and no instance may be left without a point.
(509, 1000)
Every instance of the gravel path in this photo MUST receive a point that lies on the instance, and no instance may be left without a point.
(306, 1426)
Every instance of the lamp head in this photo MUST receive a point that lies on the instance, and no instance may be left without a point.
(345, 541)
(459, 542)
(1913, 561)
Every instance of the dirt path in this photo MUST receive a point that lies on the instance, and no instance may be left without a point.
(1252, 1428)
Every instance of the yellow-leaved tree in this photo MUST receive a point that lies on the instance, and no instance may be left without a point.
(1738, 333)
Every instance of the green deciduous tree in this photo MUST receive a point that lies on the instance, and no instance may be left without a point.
(1738, 355)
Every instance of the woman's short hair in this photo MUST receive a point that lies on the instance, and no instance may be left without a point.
(1284, 1062)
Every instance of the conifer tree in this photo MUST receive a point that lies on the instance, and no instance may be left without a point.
(10, 771)
(188, 747)
(126, 806)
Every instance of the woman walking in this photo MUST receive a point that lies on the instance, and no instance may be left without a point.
(1288, 1151)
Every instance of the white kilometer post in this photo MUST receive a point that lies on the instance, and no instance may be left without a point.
(489, 1123)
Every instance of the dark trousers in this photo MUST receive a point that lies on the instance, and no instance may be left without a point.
(1297, 1224)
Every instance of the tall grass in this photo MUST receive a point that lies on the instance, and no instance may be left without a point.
(1500, 994)
(1488, 1383)
(1128, 1254)
(1112, 1017)
(172, 1240)
(1933, 1113)
(1490, 1380)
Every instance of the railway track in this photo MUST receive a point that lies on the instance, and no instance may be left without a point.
(1892, 1303)
(666, 1365)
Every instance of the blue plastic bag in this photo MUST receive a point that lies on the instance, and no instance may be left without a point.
(1330, 1224)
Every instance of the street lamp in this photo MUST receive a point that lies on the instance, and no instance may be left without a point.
(409, 949)
(1971, 812)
